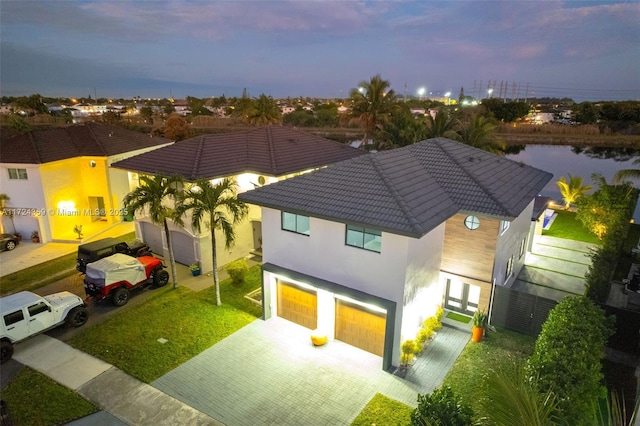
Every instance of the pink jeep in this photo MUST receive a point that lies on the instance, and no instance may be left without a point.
(115, 275)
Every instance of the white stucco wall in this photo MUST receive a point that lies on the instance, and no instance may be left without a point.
(509, 244)
(24, 194)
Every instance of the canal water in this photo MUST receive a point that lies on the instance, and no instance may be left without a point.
(565, 160)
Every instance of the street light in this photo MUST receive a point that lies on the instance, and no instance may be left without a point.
(447, 95)
(421, 92)
(489, 92)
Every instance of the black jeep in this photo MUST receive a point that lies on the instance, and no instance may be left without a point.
(96, 250)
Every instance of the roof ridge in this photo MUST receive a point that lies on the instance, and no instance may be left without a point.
(272, 154)
(35, 148)
(415, 225)
(472, 177)
(196, 162)
(95, 138)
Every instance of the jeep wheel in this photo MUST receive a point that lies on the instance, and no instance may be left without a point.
(160, 278)
(120, 297)
(77, 316)
(6, 351)
(10, 245)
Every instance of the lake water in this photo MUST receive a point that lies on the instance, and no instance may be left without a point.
(563, 160)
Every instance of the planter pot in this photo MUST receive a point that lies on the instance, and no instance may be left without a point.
(35, 240)
(477, 333)
(195, 273)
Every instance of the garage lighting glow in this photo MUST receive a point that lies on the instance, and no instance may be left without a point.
(298, 283)
(66, 207)
(366, 305)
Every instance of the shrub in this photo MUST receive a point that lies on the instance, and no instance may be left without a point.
(439, 313)
(567, 354)
(424, 334)
(432, 323)
(407, 351)
(442, 407)
(237, 270)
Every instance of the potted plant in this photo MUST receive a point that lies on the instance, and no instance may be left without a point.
(195, 269)
(35, 237)
(479, 324)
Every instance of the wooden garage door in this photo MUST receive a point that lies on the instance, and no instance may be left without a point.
(298, 305)
(360, 327)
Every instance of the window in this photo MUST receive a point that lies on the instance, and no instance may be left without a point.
(13, 317)
(366, 238)
(471, 222)
(295, 223)
(18, 174)
(509, 270)
(504, 225)
(523, 246)
(38, 308)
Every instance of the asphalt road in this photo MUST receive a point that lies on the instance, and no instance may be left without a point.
(98, 311)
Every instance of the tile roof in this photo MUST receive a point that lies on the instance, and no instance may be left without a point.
(269, 150)
(411, 190)
(87, 139)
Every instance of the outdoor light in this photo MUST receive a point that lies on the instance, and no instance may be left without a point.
(66, 207)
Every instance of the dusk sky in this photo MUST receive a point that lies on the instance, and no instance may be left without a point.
(586, 50)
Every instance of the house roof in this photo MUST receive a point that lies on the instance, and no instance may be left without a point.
(410, 190)
(87, 139)
(269, 150)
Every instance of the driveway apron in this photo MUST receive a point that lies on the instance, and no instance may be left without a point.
(269, 373)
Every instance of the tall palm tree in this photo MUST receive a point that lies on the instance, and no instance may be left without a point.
(372, 104)
(480, 132)
(219, 208)
(571, 190)
(263, 111)
(440, 126)
(151, 196)
(624, 174)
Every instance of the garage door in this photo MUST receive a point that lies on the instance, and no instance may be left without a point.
(298, 305)
(183, 248)
(151, 235)
(360, 327)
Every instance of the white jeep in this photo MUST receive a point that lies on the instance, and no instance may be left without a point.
(26, 314)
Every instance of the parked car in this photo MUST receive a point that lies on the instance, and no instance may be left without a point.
(96, 250)
(8, 241)
(114, 276)
(26, 314)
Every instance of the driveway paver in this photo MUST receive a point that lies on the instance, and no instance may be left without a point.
(269, 373)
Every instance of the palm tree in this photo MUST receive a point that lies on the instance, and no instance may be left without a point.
(219, 208)
(480, 132)
(440, 126)
(372, 105)
(571, 190)
(263, 111)
(621, 175)
(150, 196)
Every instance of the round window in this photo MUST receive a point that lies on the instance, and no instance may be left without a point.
(471, 222)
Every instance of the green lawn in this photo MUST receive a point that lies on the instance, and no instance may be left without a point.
(189, 321)
(34, 399)
(382, 410)
(568, 227)
(497, 350)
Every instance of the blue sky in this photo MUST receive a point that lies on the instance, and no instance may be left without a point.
(586, 50)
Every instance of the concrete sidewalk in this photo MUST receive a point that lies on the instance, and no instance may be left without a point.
(123, 399)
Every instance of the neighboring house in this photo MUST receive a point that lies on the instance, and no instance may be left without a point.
(59, 178)
(367, 248)
(254, 158)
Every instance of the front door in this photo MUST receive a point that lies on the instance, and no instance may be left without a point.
(462, 297)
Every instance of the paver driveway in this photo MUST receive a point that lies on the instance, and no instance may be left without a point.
(269, 373)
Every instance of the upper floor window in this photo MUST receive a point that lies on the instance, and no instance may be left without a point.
(295, 223)
(504, 225)
(18, 174)
(509, 269)
(471, 222)
(523, 246)
(366, 238)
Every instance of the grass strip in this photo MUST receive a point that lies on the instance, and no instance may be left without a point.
(458, 317)
(549, 287)
(34, 399)
(382, 410)
(567, 226)
(38, 275)
(555, 271)
(189, 321)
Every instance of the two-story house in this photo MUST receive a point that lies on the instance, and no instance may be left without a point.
(255, 158)
(367, 248)
(59, 178)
